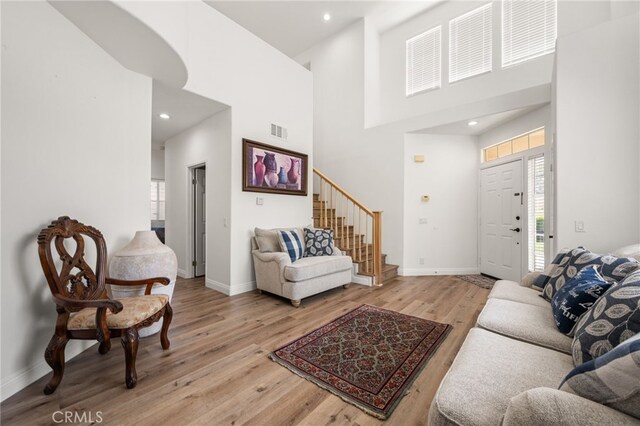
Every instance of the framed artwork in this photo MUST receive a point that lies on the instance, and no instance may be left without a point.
(268, 168)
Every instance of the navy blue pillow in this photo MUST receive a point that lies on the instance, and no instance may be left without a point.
(576, 297)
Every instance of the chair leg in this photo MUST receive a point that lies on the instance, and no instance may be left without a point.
(129, 341)
(54, 355)
(166, 321)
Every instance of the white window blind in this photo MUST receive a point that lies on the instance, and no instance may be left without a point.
(528, 29)
(535, 198)
(423, 61)
(470, 43)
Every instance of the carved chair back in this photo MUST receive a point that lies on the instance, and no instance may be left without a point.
(74, 278)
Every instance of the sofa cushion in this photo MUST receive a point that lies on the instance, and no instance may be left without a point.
(268, 244)
(311, 267)
(533, 324)
(488, 371)
(552, 269)
(292, 244)
(511, 290)
(551, 407)
(576, 297)
(614, 318)
(612, 379)
(318, 242)
(628, 251)
(612, 268)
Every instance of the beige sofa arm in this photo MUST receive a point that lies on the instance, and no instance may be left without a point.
(269, 268)
(281, 258)
(528, 279)
(552, 407)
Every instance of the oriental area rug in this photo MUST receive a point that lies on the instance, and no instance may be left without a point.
(369, 357)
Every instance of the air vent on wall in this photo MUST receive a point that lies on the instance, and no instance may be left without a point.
(278, 131)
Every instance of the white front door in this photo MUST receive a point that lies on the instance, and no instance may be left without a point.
(501, 221)
(200, 239)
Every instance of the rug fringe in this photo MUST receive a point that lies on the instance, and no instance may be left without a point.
(321, 384)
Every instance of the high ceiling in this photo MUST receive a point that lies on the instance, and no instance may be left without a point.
(294, 26)
(485, 123)
(185, 108)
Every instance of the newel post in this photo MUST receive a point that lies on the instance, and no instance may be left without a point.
(377, 247)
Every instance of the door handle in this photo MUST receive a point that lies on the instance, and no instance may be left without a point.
(514, 229)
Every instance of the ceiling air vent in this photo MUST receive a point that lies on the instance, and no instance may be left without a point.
(278, 131)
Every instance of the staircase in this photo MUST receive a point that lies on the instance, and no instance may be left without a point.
(357, 230)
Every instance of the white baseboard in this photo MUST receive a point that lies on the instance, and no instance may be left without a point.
(184, 274)
(243, 288)
(25, 376)
(362, 280)
(415, 272)
(230, 290)
(218, 286)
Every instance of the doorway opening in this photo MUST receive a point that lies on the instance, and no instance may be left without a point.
(198, 181)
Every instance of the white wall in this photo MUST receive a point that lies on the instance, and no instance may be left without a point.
(447, 243)
(228, 64)
(366, 162)
(157, 164)
(394, 103)
(597, 107)
(76, 138)
(206, 143)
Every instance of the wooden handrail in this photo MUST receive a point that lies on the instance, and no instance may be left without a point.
(342, 191)
(357, 228)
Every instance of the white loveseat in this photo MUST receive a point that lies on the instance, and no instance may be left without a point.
(510, 366)
(275, 273)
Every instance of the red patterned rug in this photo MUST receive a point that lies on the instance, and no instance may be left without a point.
(369, 357)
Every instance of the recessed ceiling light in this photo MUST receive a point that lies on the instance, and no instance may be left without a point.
(326, 17)
(165, 116)
(472, 123)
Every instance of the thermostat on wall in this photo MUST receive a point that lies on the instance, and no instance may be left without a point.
(418, 158)
(426, 198)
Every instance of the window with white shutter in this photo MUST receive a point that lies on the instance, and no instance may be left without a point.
(528, 29)
(535, 195)
(423, 61)
(470, 43)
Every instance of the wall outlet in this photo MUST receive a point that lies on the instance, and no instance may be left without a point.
(259, 201)
(421, 260)
(579, 225)
(423, 221)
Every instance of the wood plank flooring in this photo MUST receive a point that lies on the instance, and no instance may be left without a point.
(217, 371)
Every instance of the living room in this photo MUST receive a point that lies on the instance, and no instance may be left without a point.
(79, 118)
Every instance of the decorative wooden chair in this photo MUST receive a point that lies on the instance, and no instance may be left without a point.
(82, 302)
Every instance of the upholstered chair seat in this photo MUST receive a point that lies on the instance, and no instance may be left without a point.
(134, 311)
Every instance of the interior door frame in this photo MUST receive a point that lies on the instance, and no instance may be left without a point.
(524, 157)
(190, 225)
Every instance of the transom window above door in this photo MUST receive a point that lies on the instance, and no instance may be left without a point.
(521, 143)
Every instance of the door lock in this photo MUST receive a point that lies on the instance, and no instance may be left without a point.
(517, 217)
(515, 229)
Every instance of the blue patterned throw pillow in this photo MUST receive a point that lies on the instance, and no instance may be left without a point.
(612, 268)
(557, 264)
(612, 379)
(291, 243)
(614, 318)
(318, 242)
(576, 297)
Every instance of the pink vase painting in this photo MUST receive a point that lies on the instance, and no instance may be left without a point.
(259, 169)
(294, 171)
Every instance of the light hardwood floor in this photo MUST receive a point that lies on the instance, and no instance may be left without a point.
(217, 370)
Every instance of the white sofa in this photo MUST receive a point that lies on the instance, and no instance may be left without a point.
(275, 273)
(510, 366)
